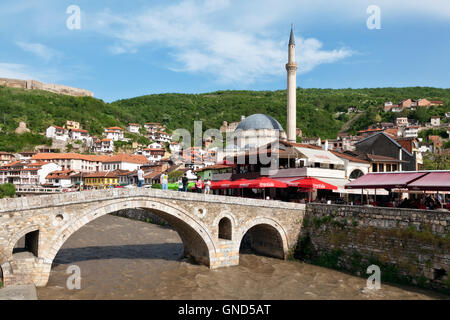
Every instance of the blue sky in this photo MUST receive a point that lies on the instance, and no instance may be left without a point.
(130, 48)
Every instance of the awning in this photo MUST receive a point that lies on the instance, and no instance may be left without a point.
(321, 156)
(223, 184)
(265, 182)
(340, 183)
(384, 180)
(240, 183)
(312, 183)
(433, 181)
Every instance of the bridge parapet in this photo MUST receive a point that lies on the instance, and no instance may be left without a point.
(37, 202)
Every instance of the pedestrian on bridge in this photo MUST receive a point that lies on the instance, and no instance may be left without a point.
(164, 181)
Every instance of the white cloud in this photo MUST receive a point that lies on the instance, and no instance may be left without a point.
(39, 50)
(15, 71)
(201, 39)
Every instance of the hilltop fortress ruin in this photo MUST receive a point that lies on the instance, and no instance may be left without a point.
(37, 85)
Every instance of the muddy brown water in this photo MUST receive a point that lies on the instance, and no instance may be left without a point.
(126, 259)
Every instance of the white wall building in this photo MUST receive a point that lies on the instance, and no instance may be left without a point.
(80, 135)
(26, 173)
(114, 133)
(134, 128)
(103, 146)
(435, 121)
(57, 133)
(411, 132)
(123, 162)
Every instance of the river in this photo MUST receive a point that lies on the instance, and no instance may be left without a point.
(121, 258)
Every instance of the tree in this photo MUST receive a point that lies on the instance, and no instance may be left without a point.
(436, 161)
(175, 175)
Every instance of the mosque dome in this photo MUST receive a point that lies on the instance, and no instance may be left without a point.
(259, 121)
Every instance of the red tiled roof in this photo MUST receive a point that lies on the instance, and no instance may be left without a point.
(11, 164)
(101, 174)
(79, 130)
(348, 157)
(378, 158)
(114, 128)
(126, 158)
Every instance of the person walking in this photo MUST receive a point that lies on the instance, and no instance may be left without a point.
(185, 182)
(180, 185)
(199, 185)
(164, 181)
(208, 186)
(140, 175)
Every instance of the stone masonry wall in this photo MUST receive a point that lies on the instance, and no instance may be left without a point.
(409, 246)
(37, 85)
(140, 215)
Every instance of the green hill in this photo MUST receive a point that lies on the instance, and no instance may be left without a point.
(317, 110)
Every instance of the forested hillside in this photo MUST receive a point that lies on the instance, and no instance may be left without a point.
(320, 112)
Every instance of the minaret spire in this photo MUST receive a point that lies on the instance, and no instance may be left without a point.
(292, 38)
(291, 68)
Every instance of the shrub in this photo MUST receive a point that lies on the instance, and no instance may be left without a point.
(7, 190)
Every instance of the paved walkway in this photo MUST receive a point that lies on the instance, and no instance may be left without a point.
(25, 292)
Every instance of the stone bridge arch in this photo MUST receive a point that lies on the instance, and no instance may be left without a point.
(268, 237)
(197, 241)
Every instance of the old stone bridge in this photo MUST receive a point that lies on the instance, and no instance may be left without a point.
(211, 227)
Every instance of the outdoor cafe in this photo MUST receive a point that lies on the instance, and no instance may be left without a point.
(420, 190)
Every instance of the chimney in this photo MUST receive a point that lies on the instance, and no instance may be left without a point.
(325, 146)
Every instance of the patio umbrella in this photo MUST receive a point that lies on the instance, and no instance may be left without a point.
(240, 183)
(264, 182)
(312, 183)
(223, 184)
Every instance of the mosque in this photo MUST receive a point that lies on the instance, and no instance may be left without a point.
(260, 129)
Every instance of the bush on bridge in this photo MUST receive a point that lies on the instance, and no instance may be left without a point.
(7, 190)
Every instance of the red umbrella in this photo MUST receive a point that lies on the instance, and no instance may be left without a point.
(223, 184)
(312, 183)
(265, 182)
(240, 183)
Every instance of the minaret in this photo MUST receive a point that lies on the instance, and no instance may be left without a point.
(291, 68)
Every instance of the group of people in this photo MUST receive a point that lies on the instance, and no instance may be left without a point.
(183, 183)
(428, 202)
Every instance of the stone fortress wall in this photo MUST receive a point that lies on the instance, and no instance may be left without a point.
(37, 85)
(410, 246)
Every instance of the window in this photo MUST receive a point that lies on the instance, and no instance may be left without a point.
(356, 174)
(374, 167)
(394, 167)
(316, 164)
(388, 167)
(381, 167)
